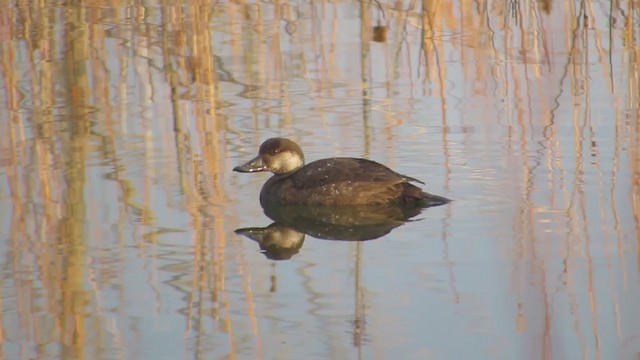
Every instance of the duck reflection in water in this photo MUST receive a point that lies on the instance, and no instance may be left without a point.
(285, 236)
(277, 241)
(336, 198)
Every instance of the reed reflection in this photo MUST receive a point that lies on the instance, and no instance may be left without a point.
(119, 124)
(284, 237)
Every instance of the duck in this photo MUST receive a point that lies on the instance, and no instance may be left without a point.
(336, 181)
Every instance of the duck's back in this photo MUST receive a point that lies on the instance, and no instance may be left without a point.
(341, 181)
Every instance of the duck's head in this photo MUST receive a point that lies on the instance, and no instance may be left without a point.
(278, 155)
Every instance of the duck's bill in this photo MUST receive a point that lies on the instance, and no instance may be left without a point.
(254, 233)
(253, 165)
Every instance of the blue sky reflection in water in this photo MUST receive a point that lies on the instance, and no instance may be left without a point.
(120, 127)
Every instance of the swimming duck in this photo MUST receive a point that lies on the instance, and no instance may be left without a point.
(338, 181)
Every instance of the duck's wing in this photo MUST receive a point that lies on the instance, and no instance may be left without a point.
(346, 170)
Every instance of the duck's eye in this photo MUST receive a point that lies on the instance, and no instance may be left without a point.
(275, 151)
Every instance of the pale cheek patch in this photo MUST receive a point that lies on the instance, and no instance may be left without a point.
(286, 162)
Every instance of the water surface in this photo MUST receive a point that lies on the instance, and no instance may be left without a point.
(118, 207)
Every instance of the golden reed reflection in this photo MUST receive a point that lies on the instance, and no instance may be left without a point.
(65, 103)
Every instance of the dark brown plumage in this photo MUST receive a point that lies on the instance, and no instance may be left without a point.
(334, 181)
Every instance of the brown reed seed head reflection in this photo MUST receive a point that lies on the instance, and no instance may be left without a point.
(120, 124)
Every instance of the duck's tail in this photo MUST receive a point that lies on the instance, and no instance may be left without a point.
(414, 195)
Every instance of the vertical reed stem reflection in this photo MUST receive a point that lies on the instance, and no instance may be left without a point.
(72, 227)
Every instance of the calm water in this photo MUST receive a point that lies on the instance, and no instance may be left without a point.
(118, 207)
